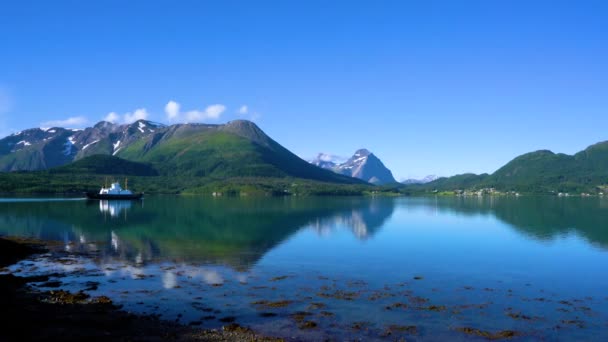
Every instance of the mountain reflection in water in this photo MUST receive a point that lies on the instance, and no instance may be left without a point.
(231, 231)
(238, 232)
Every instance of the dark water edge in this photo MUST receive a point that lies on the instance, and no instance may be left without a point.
(61, 315)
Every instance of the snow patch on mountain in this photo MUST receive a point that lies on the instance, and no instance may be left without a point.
(89, 144)
(68, 146)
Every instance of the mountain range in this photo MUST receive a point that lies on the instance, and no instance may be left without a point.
(540, 171)
(200, 155)
(424, 180)
(363, 165)
(236, 149)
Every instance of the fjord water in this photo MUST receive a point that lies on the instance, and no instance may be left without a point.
(373, 268)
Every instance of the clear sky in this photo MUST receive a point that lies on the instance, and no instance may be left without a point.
(431, 87)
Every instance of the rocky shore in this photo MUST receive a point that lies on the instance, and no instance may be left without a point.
(31, 314)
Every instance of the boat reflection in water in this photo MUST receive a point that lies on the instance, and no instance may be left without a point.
(114, 207)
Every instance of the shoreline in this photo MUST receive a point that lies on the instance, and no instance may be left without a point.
(57, 314)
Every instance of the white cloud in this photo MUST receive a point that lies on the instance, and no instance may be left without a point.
(328, 157)
(75, 121)
(194, 115)
(139, 114)
(247, 113)
(212, 112)
(172, 110)
(112, 117)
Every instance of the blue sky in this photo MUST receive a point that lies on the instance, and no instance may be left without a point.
(432, 87)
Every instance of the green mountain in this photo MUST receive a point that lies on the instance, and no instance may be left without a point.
(100, 164)
(466, 180)
(236, 149)
(539, 171)
(237, 157)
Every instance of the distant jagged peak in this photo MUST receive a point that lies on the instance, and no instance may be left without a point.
(362, 152)
(144, 126)
(363, 165)
(143, 122)
(424, 180)
(104, 124)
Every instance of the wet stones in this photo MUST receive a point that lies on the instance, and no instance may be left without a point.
(316, 306)
(308, 325)
(326, 314)
(503, 334)
(358, 326)
(267, 314)
(276, 304)
(576, 322)
(234, 327)
(339, 294)
(395, 306)
(300, 316)
(65, 297)
(436, 308)
(415, 300)
(519, 316)
(399, 329)
(101, 300)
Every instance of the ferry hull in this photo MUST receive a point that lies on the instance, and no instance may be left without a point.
(95, 195)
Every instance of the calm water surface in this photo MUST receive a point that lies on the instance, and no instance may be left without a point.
(368, 268)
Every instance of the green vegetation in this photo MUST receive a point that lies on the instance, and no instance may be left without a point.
(92, 172)
(105, 165)
(232, 159)
(238, 149)
(238, 158)
(536, 172)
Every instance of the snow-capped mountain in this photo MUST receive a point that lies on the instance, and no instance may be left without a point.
(363, 165)
(235, 149)
(424, 180)
(42, 148)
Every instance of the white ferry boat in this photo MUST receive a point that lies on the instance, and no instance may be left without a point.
(114, 192)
